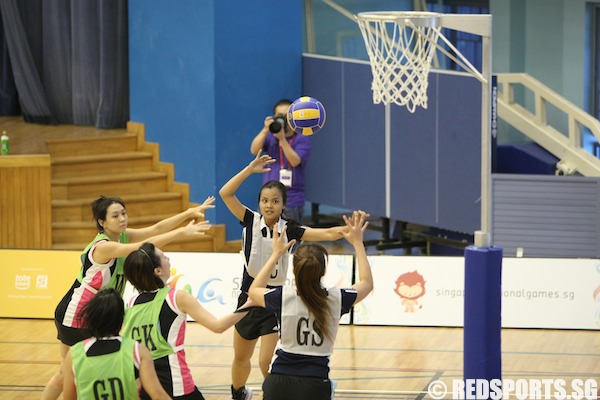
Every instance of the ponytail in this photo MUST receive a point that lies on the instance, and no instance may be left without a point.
(310, 261)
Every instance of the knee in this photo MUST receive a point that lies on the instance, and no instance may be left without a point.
(57, 379)
(242, 357)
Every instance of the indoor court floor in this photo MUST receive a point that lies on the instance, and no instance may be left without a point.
(369, 362)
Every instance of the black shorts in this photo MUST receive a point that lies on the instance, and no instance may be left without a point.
(258, 322)
(288, 387)
(70, 336)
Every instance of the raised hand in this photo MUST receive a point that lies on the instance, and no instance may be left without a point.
(356, 226)
(208, 203)
(363, 213)
(200, 211)
(260, 163)
(279, 245)
(195, 228)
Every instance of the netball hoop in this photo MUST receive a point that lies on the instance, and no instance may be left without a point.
(401, 46)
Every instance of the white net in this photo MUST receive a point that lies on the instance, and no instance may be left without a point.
(401, 46)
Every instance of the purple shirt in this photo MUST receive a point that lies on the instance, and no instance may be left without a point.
(301, 145)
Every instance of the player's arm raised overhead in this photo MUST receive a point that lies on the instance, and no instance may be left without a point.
(356, 226)
(258, 165)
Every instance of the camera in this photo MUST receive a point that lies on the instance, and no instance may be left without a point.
(278, 123)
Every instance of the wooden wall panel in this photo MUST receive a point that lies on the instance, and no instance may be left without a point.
(25, 202)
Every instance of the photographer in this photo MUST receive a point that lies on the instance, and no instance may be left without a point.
(291, 150)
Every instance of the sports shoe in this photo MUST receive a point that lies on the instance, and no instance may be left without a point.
(242, 393)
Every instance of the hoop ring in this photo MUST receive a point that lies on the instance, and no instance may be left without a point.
(416, 18)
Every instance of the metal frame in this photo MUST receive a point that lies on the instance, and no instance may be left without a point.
(477, 24)
(481, 25)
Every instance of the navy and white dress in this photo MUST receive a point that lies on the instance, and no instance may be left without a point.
(301, 361)
(257, 247)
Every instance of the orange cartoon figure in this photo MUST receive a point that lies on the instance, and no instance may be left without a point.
(410, 286)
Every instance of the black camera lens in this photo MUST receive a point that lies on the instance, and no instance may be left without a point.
(277, 124)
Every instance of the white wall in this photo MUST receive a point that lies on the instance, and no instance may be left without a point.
(545, 39)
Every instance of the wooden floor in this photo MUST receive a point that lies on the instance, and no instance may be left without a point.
(368, 362)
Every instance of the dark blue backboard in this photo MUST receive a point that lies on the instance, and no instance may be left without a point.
(435, 153)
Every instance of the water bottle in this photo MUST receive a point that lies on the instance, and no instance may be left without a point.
(4, 143)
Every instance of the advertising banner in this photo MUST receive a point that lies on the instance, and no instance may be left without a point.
(409, 290)
(34, 281)
(553, 293)
(536, 293)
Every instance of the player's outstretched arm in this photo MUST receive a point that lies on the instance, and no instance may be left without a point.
(193, 213)
(328, 234)
(189, 305)
(355, 228)
(258, 165)
(105, 251)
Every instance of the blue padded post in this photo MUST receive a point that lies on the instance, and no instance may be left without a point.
(482, 319)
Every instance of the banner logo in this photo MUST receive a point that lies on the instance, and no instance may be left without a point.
(22, 282)
(207, 293)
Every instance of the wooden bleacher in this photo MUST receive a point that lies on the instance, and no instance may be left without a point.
(66, 167)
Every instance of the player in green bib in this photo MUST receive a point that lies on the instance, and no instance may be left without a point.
(157, 317)
(106, 365)
(102, 265)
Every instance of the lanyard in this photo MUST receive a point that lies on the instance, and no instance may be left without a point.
(281, 151)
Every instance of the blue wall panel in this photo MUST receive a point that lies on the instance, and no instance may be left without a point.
(363, 142)
(203, 77)
(459, 104)
(322, 79)
(336, 173)
(168, 47)
(435, 156)
(258, 61)
(414, 162)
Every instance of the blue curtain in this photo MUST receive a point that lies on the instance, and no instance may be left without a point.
(9, 99)
(65, 61)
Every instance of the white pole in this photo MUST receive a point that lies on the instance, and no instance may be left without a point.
(388, 158)
(483, 238)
